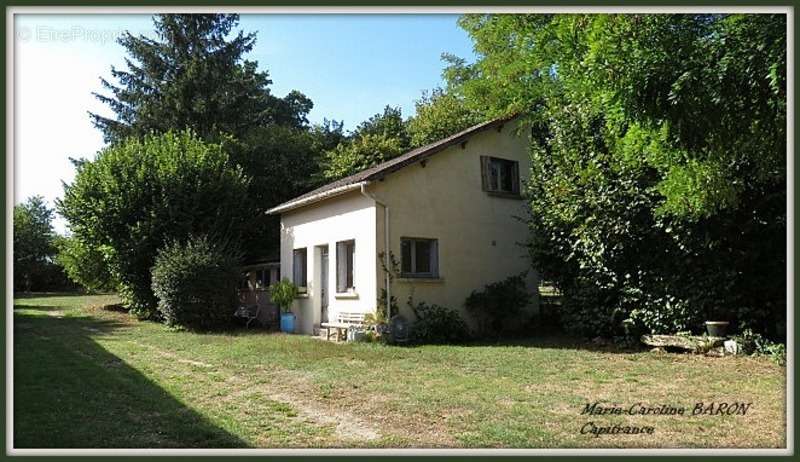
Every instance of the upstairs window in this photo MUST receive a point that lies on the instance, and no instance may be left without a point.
(345, 258)
(419, 258)
(300, 267)
(500, 176)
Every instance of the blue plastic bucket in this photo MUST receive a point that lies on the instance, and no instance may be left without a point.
(287, 322)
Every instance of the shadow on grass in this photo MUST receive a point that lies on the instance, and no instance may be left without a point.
(69, 392)
(76, 293)
(23, 306)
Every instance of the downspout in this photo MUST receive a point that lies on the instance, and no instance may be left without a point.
(385, 245)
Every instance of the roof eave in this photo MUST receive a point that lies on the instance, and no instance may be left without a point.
(315, 198)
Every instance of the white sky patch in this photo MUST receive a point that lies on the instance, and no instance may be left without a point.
(57, 66)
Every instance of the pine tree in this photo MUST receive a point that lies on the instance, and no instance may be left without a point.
(193, 76)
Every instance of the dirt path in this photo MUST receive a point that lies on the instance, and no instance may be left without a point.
(348, 427)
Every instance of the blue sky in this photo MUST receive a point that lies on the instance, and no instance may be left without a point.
(351, 66)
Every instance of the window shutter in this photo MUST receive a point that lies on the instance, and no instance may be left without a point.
(341, 267)
(485, 181)
(435, 258)
(515, 178)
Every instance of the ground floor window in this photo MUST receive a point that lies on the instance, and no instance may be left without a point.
(300, 267)
(419, 257)
(266, 277)
(345, 256)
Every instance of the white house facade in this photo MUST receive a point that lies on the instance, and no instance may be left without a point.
(449, 213)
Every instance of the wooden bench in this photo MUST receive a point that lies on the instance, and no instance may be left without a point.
(344, 321)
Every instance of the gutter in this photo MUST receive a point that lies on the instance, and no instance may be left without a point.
(386, 249)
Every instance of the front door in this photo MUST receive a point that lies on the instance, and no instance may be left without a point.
(323, 282)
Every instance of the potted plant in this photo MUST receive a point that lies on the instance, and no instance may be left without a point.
(376, 322)
(283, 294)
(379, 321)
(714, 326)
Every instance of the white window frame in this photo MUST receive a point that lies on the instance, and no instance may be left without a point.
(352, 287)
(303, 287)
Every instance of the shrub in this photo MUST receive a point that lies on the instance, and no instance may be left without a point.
(84, 264)
(753, 343)
(283, 294)
(140, 194)
(195, 283)
(498, 302)
(437, 324)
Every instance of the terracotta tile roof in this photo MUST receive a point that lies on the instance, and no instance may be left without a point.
(381, 170)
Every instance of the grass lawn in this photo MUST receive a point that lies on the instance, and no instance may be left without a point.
(87, 376)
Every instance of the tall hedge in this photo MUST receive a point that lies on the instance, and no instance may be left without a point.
(138, 195)
(658, 183)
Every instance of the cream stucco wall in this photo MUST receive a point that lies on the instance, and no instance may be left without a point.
(349, 216)
(479, 237)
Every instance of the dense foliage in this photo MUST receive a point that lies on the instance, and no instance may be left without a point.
(359, 154)
(140, 194)
(437, 324)
(378, 139)
(658, 187)
(195, 283)
(281, 162)
(193, 75)
(386, 135)
(438, 115)
(35, 250)
(85, 264)
(499, 302)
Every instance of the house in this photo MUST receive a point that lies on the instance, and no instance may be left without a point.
(449, 213)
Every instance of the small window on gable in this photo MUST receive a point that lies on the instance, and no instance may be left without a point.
(300, 268)
(500, 176)
(345, 259)
(419, 258)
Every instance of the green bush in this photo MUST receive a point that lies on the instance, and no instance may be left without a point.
(283, 294)
(437, 324)
(498, 302)
(140, 194)
(84, 264)
(195, 283)
(754, 343)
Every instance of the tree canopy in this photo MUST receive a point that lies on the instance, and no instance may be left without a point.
(139, 194)
(440, 114)
(658, 183)
(33, 241)
(380, 138)
(191, 75)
